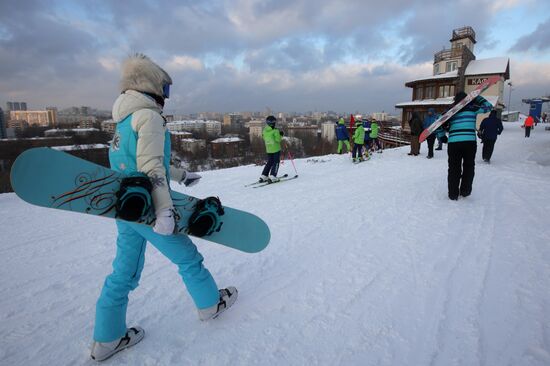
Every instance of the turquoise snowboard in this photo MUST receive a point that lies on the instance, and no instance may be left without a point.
(54, 179)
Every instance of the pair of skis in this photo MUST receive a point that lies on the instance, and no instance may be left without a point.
(282, 178)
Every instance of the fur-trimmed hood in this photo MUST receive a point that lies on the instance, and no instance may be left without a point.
(141, 74)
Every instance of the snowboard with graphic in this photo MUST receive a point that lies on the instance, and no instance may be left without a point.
(54, 179)
(451, 112)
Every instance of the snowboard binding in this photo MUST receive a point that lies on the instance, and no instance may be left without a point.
(206, 218)
(134, 198)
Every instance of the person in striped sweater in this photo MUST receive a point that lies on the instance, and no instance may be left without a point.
(463, 145)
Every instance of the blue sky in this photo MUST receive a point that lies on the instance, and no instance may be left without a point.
(243, 55)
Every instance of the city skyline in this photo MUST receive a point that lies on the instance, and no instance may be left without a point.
(248, 55)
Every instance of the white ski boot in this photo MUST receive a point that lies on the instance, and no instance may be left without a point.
(263, 179)
(273, 179)
(227, 297)
(103, 350)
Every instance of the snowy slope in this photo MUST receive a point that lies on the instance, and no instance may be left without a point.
(369, 264)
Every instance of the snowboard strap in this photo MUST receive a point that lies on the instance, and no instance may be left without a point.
(134, 198)
(206, 218)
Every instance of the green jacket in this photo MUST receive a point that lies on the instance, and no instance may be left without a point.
(272, 139)
(374, 130)
(359, 134)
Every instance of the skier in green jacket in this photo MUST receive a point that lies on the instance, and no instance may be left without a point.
(374, 135)
(272, 138)
(358, 141)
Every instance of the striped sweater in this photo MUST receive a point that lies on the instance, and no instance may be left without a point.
(462, 126)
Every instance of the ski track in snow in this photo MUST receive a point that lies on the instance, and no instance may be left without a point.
(369, 264)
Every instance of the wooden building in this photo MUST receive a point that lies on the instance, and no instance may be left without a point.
(455, 69)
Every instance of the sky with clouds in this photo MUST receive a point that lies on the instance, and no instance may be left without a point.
(246, 55)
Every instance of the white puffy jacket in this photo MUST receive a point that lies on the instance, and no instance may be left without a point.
(150, 127)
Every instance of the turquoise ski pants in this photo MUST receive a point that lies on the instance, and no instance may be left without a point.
(110, 322)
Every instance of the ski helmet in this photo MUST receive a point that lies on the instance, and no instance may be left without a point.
(270, 120)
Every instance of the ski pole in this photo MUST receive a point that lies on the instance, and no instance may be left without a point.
(292, 161)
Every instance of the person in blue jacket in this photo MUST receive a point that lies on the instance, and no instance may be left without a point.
(342, 135)
(489, 129)
(367, 127)
(142, 145)
(430, 118)
(462, 145)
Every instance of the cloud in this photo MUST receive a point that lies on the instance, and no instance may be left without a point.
(185, 63)
(239, 54)
(538, 40)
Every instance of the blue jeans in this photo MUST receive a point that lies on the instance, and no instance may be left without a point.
(110, 323)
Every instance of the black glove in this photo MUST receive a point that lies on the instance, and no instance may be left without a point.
(281, 132)
(444, 139)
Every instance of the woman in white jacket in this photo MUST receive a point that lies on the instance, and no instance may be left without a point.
(142, 145)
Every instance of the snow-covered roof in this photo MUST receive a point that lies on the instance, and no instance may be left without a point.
(226, 139)
(181, 133)
(493, 99)
(55, 130)
(81, 147)
(438, 101)
(447, 75)
(495, 65)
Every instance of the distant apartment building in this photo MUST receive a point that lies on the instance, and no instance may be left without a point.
(380, 116)
(76, 119)
(328, 131)
(109, 126)
(227, 147)
(88, 123)
(16, 106)
(255, 129)
(17, 124)
(45, 118)
(184, 142)
(455, 69)
(232, 119)
(301, 131)
(213, 128)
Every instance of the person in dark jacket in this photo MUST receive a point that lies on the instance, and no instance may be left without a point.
(430, 118)
(415, 124)
(462, 145)
(489, 129)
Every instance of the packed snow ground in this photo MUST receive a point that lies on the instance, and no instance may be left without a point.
(369, 264)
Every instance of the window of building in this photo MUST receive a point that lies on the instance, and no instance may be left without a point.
(451, 66)
(446, 91)
(430, 92)
(436, 69)
(419, 93)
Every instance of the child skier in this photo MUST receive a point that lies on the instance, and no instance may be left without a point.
(342, 135)
(367, 127)
(374, 135)
(142, 145)
(430, 118)
(358, 141)
(272, 138)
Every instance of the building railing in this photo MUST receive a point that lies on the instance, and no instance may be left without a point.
(454, 53)
(464, 32)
